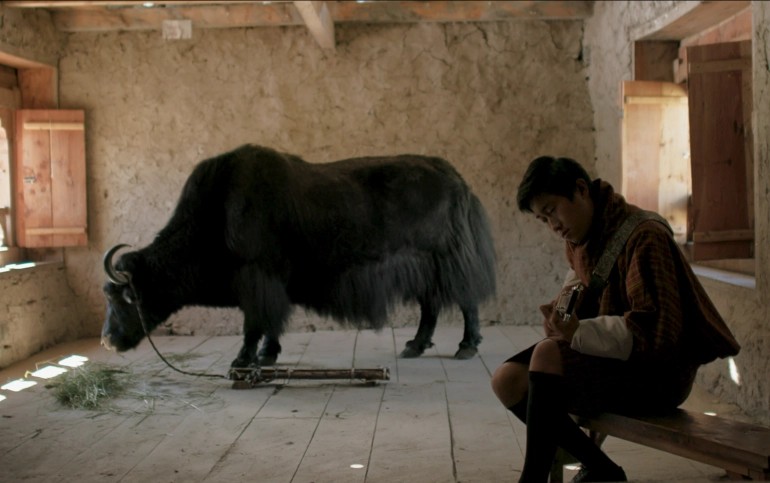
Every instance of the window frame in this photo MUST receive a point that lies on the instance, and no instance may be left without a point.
(659, 48)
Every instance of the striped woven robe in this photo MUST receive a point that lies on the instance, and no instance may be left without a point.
(668, 326)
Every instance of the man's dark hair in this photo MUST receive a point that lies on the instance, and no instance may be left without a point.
(547, 174)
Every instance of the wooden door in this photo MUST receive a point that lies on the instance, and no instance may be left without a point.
(50, 178)
(656, 149)
(719, 77)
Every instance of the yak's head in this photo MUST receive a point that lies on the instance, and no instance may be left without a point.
(123, 328)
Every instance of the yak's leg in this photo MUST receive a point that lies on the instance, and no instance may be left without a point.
(264, 313)
(268, 354)
(471, 334)
(247, 356)
(423, 339)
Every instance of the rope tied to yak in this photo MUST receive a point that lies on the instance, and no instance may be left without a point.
(137, 301)
(251, 377)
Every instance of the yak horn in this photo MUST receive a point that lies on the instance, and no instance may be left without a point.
(117, 277)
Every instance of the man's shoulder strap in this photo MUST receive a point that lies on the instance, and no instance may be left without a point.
(618, 240)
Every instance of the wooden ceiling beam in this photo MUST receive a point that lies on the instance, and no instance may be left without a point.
(111, 3)
(131, 15)
(203, 16)
(697, 19)
(318, 20)
(459, 11)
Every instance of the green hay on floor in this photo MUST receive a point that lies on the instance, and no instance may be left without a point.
(88, 386)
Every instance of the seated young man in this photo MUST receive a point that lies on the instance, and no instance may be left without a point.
(634, 343)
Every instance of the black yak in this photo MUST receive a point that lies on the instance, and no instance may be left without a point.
(263, 231)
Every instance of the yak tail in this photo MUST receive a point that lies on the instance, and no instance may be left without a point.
(467, 274)
(484, 281)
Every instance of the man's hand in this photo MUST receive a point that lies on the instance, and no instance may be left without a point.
(555, 327)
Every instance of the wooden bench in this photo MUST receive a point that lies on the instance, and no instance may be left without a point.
(741, 449)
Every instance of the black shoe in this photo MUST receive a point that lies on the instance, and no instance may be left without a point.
(586, 475)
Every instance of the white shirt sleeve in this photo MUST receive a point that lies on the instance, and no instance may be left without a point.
(570, 279)
(604, 336)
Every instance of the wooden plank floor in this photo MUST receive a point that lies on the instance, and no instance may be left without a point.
(436, 420)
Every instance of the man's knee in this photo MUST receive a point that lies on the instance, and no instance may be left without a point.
(509, 383)
(547, 357)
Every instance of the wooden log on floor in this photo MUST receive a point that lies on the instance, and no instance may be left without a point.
(248, 378)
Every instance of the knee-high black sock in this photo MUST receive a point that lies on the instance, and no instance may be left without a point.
(520, 409)
(571, 438)
(545, 408)
(578, 444)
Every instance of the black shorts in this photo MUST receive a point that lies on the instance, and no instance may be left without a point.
(595, 384)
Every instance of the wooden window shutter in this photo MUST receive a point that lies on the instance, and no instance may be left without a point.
(656, 150)
(50, 175)
(719, 79)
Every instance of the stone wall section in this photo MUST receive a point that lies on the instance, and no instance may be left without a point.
(37, 306)
(38, 310)
(30, 34)
(486, 96)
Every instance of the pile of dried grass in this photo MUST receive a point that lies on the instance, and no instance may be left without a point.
(88, 386)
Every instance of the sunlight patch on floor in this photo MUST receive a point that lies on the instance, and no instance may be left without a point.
(49, 371)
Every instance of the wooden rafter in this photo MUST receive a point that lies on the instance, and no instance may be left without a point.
(110, 3)
(318, 20)
(81, 16)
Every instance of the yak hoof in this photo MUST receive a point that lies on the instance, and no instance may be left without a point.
(267, 359)
(464, 353)
(244, 363)
(241, 368)
(410, 352)
(413, 349)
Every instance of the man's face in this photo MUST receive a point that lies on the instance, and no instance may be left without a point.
(570, 219)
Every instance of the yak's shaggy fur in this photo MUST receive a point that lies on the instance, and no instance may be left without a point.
(263, 231)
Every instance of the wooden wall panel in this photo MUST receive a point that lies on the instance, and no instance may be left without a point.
(653, 60)
(656, 150)
(33, 179)
(722, 165)
(68, 195)
(38, 88)
(51, 178)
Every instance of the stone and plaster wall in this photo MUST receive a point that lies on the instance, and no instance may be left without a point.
(609, 37)
(486, 96)
(37, 306)
(30, 34)
(38, 309)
